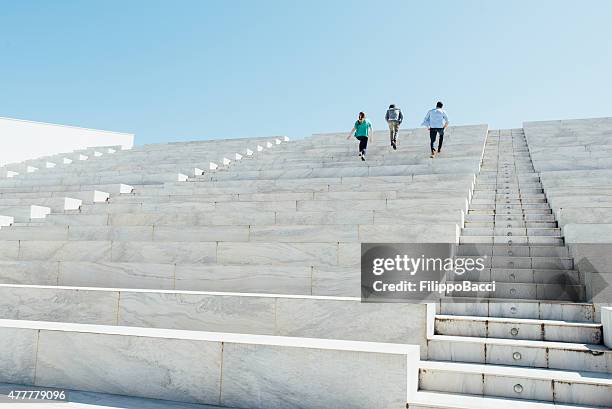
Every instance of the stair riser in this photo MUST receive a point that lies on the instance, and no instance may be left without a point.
(504, 386)
(531, 310)
(522, 331)
(518, 355)
(513, 251)
(527, 276)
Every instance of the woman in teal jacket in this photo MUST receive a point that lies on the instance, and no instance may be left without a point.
(362, 130)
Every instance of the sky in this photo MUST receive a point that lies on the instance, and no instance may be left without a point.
(206, 69)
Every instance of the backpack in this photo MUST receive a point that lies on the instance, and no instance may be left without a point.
(393, 114)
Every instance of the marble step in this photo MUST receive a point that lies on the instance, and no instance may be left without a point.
(441, 204)
(509, 217)
(360, 170)
(332, 234)
(560, 387)
(517, 261)
(56, 204)
(510, 212)
(248, 278)
(231, 253)
(331, 180)
(221, 217)
(511, 224)
(528, 309)
(440, 400)
(95, 179)
(246, 313)
(91, 196)
(500, 207)
(513, 240)
(518, 352)
(512, 180)
(511, 190)
(521, 275)
(511, 231)
(516, 328)
(62, 190)
(355, 195)
(528, 291)
(25, 213)
(501, 200)
(62, 355)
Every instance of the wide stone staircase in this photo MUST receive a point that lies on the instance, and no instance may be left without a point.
(532, 338)
(234, 286)
(228, 273)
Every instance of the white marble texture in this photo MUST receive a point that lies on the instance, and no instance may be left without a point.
(244, 278)
(304, 234)
(201, 233)
(251, 315)
(161, 368)
(140, 233)
(18, 357)
(410, 233)
(324, 218)
(164, 252)
(57, 304)
(65, 250)
(115, 275)
(272, 377)
(29, 272)
(352, 320)
(305, 254)
(336, 281)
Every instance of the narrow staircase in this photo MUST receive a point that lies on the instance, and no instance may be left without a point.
(533, 342)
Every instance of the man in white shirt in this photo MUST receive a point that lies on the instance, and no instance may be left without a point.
(436, 122)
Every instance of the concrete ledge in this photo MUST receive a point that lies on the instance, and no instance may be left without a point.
(206, 367)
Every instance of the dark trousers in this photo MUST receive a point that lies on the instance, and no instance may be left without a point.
(433, 132)
(363, 144)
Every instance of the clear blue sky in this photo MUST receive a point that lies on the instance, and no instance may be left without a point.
(185, 70)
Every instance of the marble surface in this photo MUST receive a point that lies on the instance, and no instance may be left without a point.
(56, 304)
(116, 275)
(244, 278)
(305, 234)
(251, 315)
(304, 254)
(335, 319)
(160, 368)
(164, 252)
(18, 357)
(606, 320)
(65, 250)
(29, 272)
(201, 233)
(272, 377)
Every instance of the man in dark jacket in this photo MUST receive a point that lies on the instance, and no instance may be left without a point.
(394, 118)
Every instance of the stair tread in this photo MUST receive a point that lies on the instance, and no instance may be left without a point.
(520, 371)
(522, 300)
(523, 343)
(461, 401)
(519, 320)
